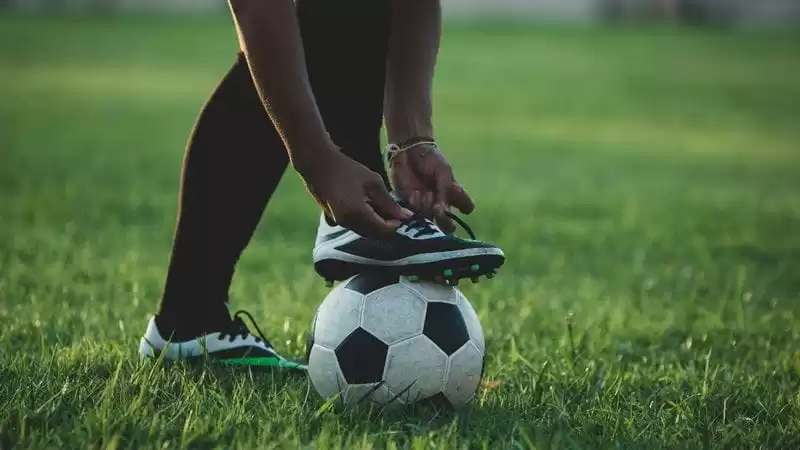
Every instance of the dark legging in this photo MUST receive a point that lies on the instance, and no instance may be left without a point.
(235, 159)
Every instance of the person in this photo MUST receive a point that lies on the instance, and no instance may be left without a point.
(312, 85)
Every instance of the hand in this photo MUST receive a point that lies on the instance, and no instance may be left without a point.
(425, 179)
(354, 196)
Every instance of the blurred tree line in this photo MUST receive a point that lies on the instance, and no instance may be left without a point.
(680, 11)
(674, 11)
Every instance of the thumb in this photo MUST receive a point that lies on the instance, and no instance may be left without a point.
(385, 205)
(449, 193)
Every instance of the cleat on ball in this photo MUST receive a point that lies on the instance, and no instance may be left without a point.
(417, 247)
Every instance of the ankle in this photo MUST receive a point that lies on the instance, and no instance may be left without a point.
(189, 325)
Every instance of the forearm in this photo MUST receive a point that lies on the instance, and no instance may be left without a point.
(269, 36)
(411, 60)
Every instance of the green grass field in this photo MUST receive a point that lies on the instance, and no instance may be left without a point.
(643, 180)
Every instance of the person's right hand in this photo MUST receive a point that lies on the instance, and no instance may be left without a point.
(354, 196)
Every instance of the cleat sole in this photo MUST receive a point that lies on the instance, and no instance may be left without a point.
(454, 269)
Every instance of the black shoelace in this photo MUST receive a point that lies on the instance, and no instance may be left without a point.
(423, 226)
(239, 329)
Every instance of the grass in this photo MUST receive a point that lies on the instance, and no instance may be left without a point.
(643, 182)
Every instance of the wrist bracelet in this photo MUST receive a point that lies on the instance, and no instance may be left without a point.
(393, 150)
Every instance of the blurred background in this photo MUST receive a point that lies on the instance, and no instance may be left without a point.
(729, 12)
(637, 160)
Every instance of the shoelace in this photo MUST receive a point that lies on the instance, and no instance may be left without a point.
(421, 225)
(424, 226)
(239, 329)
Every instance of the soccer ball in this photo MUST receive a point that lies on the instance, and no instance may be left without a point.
(381, 339)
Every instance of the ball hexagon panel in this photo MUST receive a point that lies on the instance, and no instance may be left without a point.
(415, 369)
(431, 291)
(323, 369)
(393, 313)
(464, 376)
(367, 282)
(473, 322)
(338, 316)
(445, 326)
(362, 357)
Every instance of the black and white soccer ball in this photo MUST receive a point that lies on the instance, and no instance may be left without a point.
(382, 339)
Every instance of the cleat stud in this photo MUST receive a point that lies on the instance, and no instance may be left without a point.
(490, 275)
(448, 272)
(475, 279)
(329, 283)
(475, 267)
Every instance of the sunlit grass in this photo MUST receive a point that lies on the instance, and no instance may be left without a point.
(642, 181)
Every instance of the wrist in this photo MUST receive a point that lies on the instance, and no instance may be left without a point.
(418, 146)
(413, 140)
(308, 158)
(401, 130)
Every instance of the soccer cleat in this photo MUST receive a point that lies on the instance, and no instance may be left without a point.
(233, 346)
(418, 249)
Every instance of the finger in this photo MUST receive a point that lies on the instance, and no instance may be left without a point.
(429, 199)
(442, 219)
(459, 198)
(415, 200)
(422, 202)
(377, 226)
(383, 203)
(441, 202)
(368, 223)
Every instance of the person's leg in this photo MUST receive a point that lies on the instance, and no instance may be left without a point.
(235, 158)
(346, 43)
(233, 163)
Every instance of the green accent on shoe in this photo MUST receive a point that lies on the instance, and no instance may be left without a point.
(263, 362)
(448, 272)
(475, 267)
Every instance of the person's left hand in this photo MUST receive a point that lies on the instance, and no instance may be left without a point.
(424, 178)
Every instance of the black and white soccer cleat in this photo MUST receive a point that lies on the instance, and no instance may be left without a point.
(234, 346)
(417, 249)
